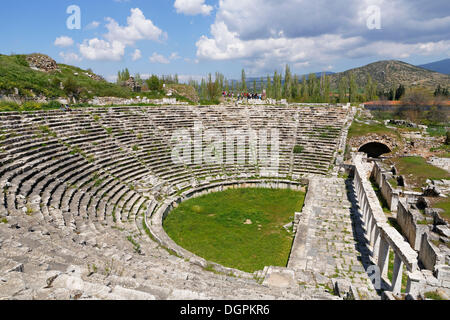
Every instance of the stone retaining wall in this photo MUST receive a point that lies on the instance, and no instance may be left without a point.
(381, 235)
(407, 218)
(390, 194)
(429, 254)
(443, 163)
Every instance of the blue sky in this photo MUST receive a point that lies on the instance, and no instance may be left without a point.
(194, 37)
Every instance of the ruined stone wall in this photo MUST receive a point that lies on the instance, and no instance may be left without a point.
(407, 219)
(390, 194)
(429, 254)
(381, 236)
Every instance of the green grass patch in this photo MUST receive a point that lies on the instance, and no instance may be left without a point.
(213, 226)
(361, 129)
(393, 182)
(437, 131)
(298, 149)
(433, 295)
(205, 102)
(417, 170)
(444, 203)
(443, 151)
(383, 202)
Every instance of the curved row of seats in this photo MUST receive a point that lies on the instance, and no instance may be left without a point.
(92, 175)
(108, 164)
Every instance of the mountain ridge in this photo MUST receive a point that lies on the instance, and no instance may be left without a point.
(441, 66)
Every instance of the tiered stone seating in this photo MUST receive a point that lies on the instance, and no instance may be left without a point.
(80, 174)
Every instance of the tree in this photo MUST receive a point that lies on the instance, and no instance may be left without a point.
(71, 87)
(138, 79)
(243, 82)
(295, 90)
(123, 76)
(311, 85)
(326, 88)
(416, 97)
(399, 92)
(441, 92)
(287, 83)
(203, 90)
(212, 88)
(269, 93)
(352, 89)
(153, 83)
(304, 89)
(277, 85)
(370, 89)
(343, 89)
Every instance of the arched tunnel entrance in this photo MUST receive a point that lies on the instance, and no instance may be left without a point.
(374, 149)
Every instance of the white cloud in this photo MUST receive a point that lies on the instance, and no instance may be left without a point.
(184, 78)
(192, 7)
(93, 25)
(119, 37)
(138, 28)
(226, 45)
(96, 49)
(316, 34)
(158, 58)
(401, 50)
(63, 42)
(136, 55)
(174, 56)
(69, 57)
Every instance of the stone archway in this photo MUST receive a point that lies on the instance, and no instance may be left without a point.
(375, 149)
(374, 144)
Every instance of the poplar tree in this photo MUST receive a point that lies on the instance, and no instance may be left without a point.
(243, 83)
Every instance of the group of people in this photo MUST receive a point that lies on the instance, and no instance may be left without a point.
(248, 96)
(245, 95)
(65, 107)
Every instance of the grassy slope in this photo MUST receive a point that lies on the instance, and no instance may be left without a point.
(444, 203)
(417, 170)
(212, 226)
(361, 129)
(14, 73)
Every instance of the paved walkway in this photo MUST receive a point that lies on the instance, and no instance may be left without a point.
(330, 239)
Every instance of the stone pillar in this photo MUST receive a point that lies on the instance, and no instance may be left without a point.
(383, 257)
(376, 244)
(415, 283)
(397, 275)
(369, 226)
(373, 228)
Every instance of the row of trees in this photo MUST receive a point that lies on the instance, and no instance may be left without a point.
(395, 93)
(153, 83)
(441, 92)
(311, 88)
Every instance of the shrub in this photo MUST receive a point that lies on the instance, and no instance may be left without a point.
(51, 105)
(298, 149)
